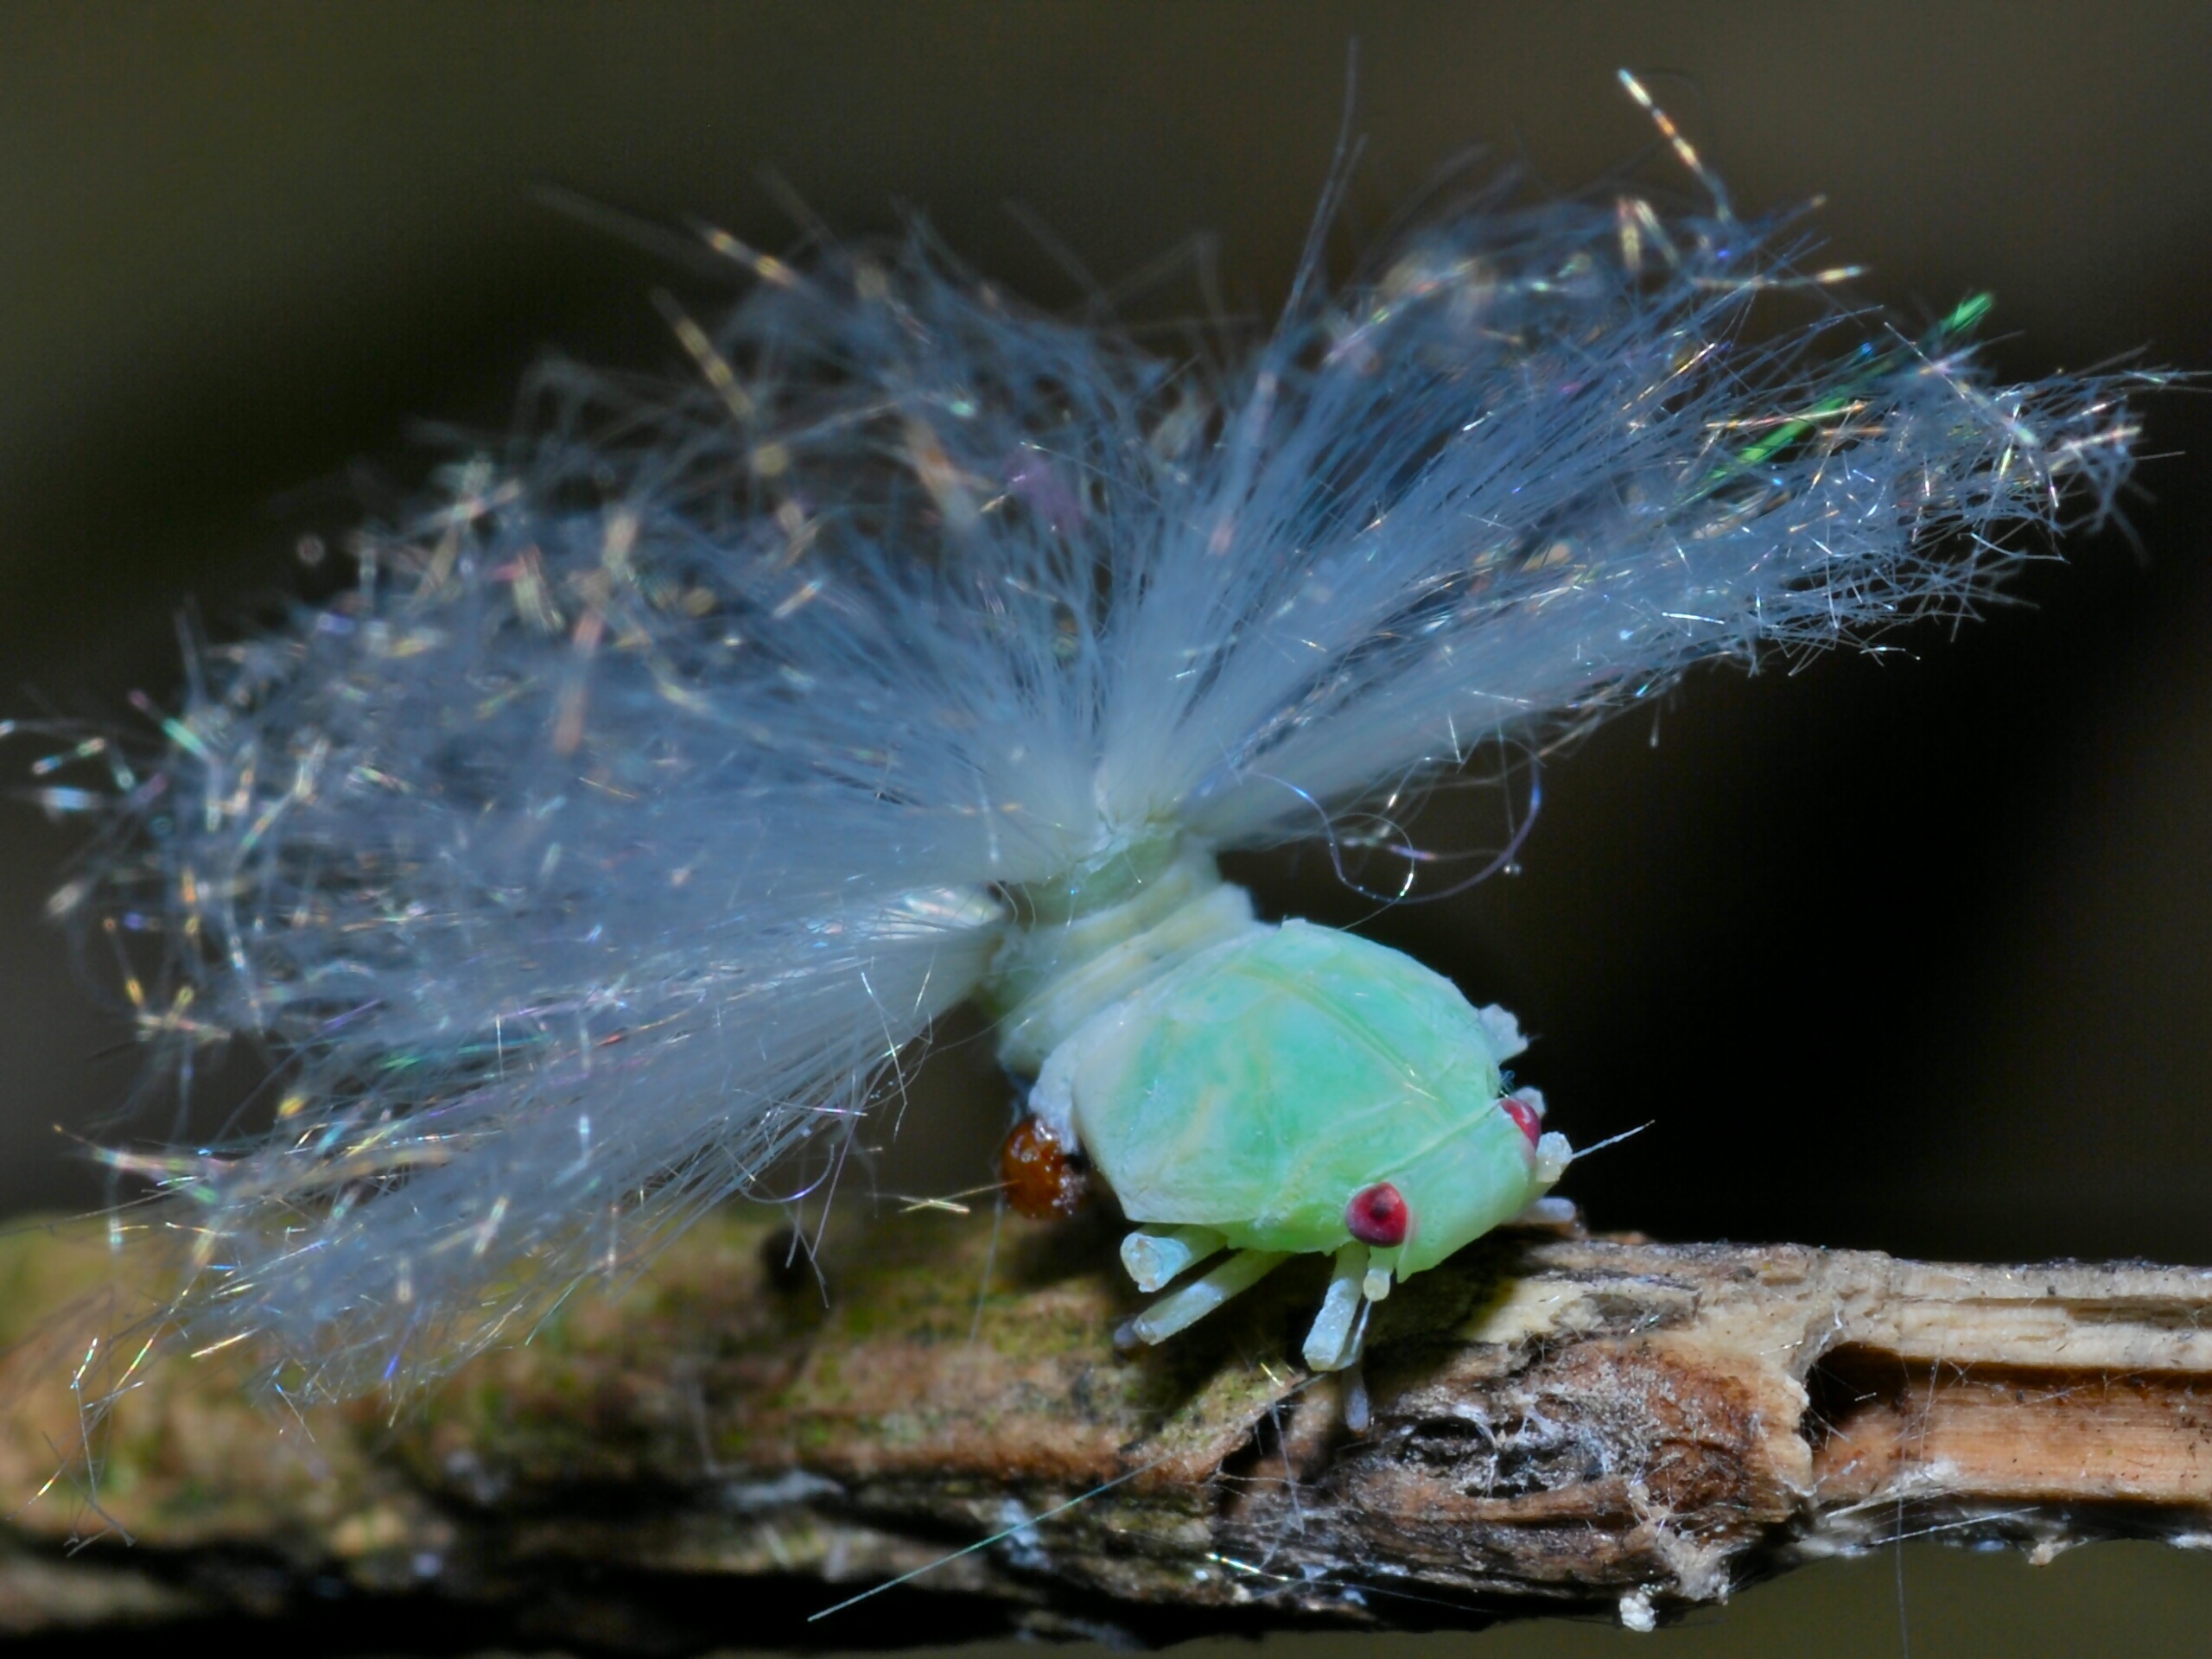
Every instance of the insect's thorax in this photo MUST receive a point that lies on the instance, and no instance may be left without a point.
(1092, 942)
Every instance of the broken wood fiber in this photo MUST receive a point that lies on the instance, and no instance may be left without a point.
(1559, 1423)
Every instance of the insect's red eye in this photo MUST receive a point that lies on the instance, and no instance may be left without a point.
(1523, 1116)
(1378, 1215)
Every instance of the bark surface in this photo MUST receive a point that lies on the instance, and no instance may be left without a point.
(735, 1442)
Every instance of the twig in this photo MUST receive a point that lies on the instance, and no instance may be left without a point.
(1559, 1424)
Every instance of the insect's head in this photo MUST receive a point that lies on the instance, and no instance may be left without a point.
(1493, 1167)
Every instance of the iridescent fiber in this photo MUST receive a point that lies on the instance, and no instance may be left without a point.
(653, 794)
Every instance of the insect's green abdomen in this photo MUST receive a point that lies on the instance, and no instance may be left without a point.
(1257, 1087)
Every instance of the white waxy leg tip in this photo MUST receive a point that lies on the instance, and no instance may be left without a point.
(1358, 1412)
(1376, 1285)
(1554, 1154)
(1548, 1212)
(1503, 1032)
(1153, 1255)
(1332, 1344)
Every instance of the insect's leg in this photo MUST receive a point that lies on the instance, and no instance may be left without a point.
(1333, 1344)
(1199, 1298)
(1155, 1254)
(1546, 1212)
(1354, 1393)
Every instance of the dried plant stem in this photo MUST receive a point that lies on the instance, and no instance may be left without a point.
(1558, 1423)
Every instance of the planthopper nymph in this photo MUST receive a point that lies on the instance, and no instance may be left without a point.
(1269, 1090)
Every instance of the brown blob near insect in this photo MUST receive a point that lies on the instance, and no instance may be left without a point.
(1042, 1180)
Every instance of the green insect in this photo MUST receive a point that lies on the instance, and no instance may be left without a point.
(1269, 1090)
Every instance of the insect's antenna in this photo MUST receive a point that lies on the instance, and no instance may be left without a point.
(1611, 1141)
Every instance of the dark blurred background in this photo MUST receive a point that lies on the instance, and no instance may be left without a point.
(1907, 954)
